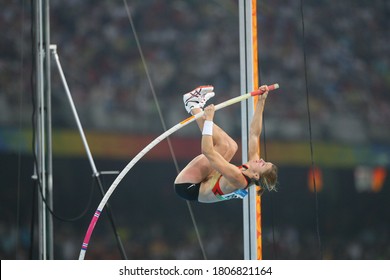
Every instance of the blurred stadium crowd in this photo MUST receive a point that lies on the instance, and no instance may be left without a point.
(187, 43)
(154, 241)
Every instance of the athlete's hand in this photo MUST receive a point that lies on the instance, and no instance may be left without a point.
(264, 95)
(209, 112)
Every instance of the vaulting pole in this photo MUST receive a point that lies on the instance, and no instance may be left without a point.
(249, 82)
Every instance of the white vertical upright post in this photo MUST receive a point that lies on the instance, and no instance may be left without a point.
(40, 130)
(49, 146)
(247, 68)
(43, 122)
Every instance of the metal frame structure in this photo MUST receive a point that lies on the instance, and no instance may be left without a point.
(43, 142)
(249, 81)
(43, 172)
(43, 169)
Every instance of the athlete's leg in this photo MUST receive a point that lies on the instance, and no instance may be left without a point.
(194, 101)
(199, 168)
(223, 143)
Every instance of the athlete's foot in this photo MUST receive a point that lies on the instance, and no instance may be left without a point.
(197, 98)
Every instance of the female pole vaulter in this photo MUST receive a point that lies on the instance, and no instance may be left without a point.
(210, 177)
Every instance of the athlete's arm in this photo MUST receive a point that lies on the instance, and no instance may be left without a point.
(228, 170)
(256, 126)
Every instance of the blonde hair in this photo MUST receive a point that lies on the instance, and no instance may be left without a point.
(268, 180)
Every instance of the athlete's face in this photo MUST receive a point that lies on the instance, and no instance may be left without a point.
(260, 166)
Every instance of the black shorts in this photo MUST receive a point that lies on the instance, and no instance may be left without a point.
(188, 191)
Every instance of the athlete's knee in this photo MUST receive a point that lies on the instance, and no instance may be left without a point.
(229, 146)
(224, 145)
(233, 145)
